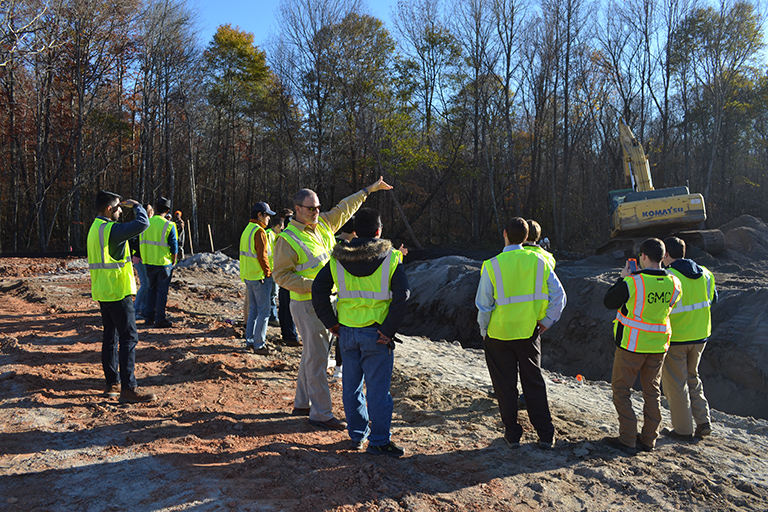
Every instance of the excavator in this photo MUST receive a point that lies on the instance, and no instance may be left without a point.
(643, 211)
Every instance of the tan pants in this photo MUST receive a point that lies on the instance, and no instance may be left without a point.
(312, 384)
(626, 366)
(683, 387)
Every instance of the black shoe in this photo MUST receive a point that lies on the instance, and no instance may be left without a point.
(390, 449)
(148, 321)
(512, 442)
(357, 446)
(292, 343)
(615, 442)
(273, 323)
(641, 446)
(702, 431)
(300, 411)
(673, 434)
(163, 324)
(331, 424)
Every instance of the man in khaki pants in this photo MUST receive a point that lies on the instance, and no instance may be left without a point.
(301, 250)
(691, 327)
(643, 300)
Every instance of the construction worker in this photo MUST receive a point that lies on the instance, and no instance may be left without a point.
(644, 299)
(159, 251)
(301, 250)
(112, 286)
(518, 298)
(532, 243)
(691, 326)
(372, 301)
(256, 273)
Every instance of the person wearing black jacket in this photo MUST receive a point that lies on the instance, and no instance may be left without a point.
(373, 293)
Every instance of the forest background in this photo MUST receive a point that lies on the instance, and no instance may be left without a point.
(475, 110)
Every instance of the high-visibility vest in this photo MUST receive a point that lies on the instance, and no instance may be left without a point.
(153, 242)
(312, 253)
(364, 301)
(520, 291)
(691, 319)
(250, 268)
(543, 252)
(271, 238)
(646, 325)
(111, 280)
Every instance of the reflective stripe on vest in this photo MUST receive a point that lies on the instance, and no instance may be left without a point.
(153, 243)
(302, 243)
(250, 268)
(384, 294)
(312, 260)
(699, 305)
(691, 319)
(503, 299)
(640, 335)
(111, 280)
(520, 293)
(103, 246)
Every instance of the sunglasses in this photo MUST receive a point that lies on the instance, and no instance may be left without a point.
(310, 208)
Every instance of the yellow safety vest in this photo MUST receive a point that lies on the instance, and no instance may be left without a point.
(543, 252)
(520, 291)
(271, 238)
(111, 280)
(250, 268)
(364, 301)
(646, 325)
(312, 253)
(153, 242)
(691, 319)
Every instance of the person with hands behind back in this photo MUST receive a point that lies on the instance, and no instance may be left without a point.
(372, 300)
(643, 300)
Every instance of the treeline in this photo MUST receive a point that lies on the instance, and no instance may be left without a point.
(474, 110)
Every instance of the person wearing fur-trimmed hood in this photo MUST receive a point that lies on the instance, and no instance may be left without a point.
(373, 293)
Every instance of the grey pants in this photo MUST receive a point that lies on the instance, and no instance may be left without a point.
(312, 385)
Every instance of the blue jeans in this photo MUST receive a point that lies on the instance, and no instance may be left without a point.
(259, 293)
(273, 301)
(366, 360)
(159, 277)
(141, 296)
(118, 345)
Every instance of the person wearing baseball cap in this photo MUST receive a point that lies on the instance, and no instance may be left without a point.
(256, 273)
(159, 247)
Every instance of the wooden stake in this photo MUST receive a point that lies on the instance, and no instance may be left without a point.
(210, 236)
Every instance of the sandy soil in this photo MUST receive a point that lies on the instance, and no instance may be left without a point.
(221, 436)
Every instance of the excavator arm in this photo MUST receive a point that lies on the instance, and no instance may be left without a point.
(636, 168)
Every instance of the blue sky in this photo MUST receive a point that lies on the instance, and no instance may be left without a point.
(258, 16)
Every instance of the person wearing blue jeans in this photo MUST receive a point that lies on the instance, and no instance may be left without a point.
(259, 293)
(256, 273)
(372, 302)
(159, 249)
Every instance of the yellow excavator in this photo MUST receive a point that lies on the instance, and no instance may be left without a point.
(642, 211)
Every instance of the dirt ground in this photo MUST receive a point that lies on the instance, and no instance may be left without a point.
(221, 436)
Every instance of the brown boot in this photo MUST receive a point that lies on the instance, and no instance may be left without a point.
(112, 391)
(134, 396)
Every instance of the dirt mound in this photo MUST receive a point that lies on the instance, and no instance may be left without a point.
(747, 238)
(438, 305)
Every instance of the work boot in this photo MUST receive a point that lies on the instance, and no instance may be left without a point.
(133, 396)
(112, 391)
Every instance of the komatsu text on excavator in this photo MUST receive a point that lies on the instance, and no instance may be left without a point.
(642, 211)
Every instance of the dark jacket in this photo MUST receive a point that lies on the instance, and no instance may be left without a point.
(361, 257)
(617, 296)
(121, 232)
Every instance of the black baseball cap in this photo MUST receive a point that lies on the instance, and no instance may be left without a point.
(261, 208)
